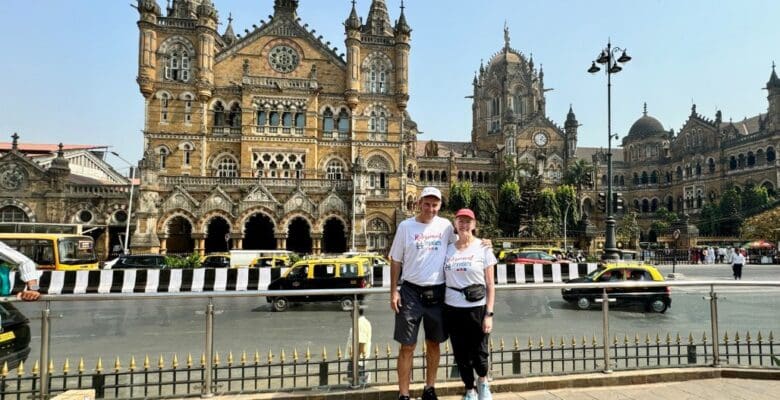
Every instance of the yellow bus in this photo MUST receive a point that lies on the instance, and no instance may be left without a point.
(61, 252)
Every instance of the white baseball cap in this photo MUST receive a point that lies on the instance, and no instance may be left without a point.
(430, 191)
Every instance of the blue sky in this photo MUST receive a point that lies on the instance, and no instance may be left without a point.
(69, 67)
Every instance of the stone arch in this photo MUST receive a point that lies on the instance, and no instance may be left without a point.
(334, 237)
(159, 94)
(214, 158)
(299, 228)
(284, 222)
(217, 234)
(384, 156)
(178, 231)
(324, 161)
(216, 100)
(172, 41)
(76, 209)
(162, 223)
(258, 229)
(28, 212)
(203, 222)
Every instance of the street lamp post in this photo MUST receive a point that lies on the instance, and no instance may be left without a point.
(130, 204)
(611, 66)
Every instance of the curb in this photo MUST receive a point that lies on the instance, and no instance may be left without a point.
(519, 385)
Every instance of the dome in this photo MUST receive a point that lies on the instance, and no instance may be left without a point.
(645, 126)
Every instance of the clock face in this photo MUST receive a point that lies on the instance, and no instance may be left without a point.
(540, 139)
(12, 177)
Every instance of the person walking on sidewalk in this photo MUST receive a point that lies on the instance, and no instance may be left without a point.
(737, 262)
(468, 310)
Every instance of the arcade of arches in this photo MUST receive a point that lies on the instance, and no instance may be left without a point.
(330, 234)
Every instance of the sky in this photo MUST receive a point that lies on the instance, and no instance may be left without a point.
(68, 67)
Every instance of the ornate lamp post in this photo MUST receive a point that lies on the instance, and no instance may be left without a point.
(611, 66)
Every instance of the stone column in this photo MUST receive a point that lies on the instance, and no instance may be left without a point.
(281, 240)
(200, 243)
(163, 244)
(316, 243)
(237, 242)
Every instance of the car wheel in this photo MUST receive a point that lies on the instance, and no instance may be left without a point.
(657, 305)
(280, 304)
(583, 303)
(346, 303)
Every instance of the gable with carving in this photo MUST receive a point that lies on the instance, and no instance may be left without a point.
(181, 199)
(300, 202)
(217, 200)
(333, 203)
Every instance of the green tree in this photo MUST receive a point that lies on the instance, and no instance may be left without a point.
(754, 200)
(544, 228)
(568, 204)
(628, 230)
(579, 174)
(508, 207)
(663, 221)
(709, 220)
(547, 204)
(484, 207)
(460, 196)
(730, 210)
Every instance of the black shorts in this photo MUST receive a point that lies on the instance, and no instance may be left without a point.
(412, 312)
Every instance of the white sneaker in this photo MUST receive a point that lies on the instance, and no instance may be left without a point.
(470, 394)
(484, 391)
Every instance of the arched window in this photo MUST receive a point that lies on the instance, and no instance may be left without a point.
(287, 120)
(378, 233)
(422, 176)
(165, 100)
(680, 204)
(162, 157)
(645, 206)
(372, 122)
(335, 170)
(699, 200)
(679, 173)
(219, 114)
(378, 74)
(654, 205)
(698, 168)
(227, 167)
(327, 123)
(444, 176)
(378, 173)
(262, 118)
(186, 157)
(343, 123)
(187, 109)
(13, 214)
(517, 105)
(741, 161)
(732, 163)
(644, 177)
(669, 204)
(751, 159)
(177, 64)
(711, 165)
(300, 121)
(234, 117)
(770, 155)
(654, 177)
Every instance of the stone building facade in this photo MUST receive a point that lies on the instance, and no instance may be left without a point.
(63, 186)
(272, 140)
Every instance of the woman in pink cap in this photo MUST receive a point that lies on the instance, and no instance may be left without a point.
(468, 310)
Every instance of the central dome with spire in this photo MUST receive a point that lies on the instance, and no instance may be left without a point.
(645, 125)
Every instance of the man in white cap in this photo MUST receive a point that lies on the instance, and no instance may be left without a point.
(420, 246)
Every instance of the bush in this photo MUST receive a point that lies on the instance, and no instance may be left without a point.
(191, 261)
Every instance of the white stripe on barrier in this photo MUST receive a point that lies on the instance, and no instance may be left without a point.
(556, 273)
(574, 270)
(592, 267)
(220, 280)
(386, 276)
(265, 278)
(538, 273)
(106, 279)
(57, 282)
(174, 284)
(242, 279)
(152, 280)
(82, 281)
(128, 284)
(501, 274)
(198, 279)
(519, 273)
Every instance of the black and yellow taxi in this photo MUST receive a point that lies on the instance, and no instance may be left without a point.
(655, 299)
(374, 259)
(216, 260)
(14, 336)
(271, 261)
(322, 273)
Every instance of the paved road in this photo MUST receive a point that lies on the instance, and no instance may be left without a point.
(122, 328)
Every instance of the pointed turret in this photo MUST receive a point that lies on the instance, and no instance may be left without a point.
(181, 9)
(353, 21)
(149, 7)
(207, 14)
(774, 81)
(286, 8)
(570, 128)
(378, 22)
(401, 26)
(60, 167)
(571, 119)
(229, 37)
(773, 97)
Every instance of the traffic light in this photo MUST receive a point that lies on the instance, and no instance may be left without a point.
(602, 202)
(617, 202)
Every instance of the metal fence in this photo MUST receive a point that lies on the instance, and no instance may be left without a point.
(223, 373)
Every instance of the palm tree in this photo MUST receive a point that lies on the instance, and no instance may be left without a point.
(580, 175)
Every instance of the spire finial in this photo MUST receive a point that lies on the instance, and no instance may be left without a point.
(15, 141)
(506, 35)
(60, 153)
(230, 18)
(645, 110)
(773, 66)
(402, 8)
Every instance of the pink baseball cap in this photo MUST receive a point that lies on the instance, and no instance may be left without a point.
(465, 212)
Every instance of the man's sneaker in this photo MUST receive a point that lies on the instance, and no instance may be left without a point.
(429, 394)
(470, 394)
(484, 391)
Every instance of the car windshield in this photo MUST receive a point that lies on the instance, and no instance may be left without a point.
(76, 251)
(595, 272)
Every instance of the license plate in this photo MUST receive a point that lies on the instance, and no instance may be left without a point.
(4, 337)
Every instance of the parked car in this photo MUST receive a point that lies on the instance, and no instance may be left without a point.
(14, 336)
(216, 261)
(374, 259)
(271, 261)
(534, 257)
(656, 299)
(150, 261)
(322, 273)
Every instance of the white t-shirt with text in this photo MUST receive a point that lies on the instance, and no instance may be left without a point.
(466, 267)
(421, 249)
